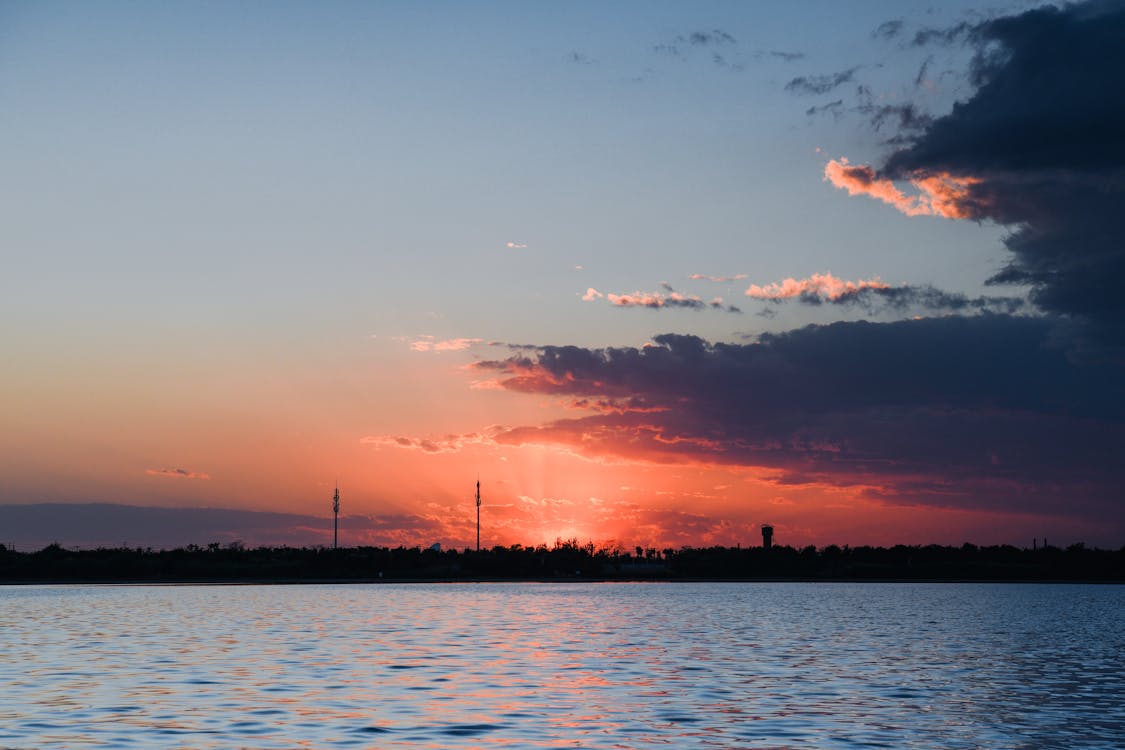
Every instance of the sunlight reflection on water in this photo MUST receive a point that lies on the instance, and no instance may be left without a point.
(563, 665)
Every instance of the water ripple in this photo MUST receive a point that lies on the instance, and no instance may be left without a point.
(549, 665)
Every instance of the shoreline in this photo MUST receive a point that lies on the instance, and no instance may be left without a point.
(539, 580)
(566, 563)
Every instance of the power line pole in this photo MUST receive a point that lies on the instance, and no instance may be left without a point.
(478, 515)
(336, 516)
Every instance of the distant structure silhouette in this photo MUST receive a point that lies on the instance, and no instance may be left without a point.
(478, 514)
(336, 516)
(767, 535)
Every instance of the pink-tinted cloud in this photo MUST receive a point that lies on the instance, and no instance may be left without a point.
(669, 298)
(654, 299)
(430, 344)
(819, 284)
(177, 473)
(441, 444)
(939, 193)
(516, 246)
(717, 279)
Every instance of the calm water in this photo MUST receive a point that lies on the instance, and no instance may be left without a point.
(563, 665)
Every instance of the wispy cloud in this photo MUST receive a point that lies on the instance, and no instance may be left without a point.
(177, 473)
(713, 38)
(782, 55)
(717, 279)
(820, 84)
(945, 36)
(516, 245)
(431, 344)
(888, 29)
(709, 38)
(685, 45)
(834, 108)
(451, 443)
(922, 78)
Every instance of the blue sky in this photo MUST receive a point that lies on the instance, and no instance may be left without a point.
(296, 161)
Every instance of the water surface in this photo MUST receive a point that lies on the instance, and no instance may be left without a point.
(731, 665)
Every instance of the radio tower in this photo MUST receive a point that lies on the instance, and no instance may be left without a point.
(336, 516)
(478, 515)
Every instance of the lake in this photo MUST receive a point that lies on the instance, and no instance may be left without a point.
(542, 665)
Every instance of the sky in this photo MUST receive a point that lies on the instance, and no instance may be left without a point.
(654, 273)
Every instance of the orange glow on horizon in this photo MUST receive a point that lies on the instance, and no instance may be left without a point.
(539, 483)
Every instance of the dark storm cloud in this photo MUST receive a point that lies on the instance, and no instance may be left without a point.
(836, 366)
(821, 84)
(1044, 136)
(955, 411)
(1056, 73)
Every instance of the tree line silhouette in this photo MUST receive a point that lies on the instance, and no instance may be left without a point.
(565, 560)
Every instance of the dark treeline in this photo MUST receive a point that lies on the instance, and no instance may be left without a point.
(564, 560)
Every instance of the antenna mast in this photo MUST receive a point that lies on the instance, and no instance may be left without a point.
(336, 516)
(478, 514)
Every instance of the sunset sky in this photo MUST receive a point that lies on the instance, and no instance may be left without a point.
(656, 273)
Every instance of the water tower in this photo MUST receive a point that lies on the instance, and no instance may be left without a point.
(336, 516)
(767, 535)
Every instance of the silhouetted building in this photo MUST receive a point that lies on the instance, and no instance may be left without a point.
(767, 535)
(336, 517)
